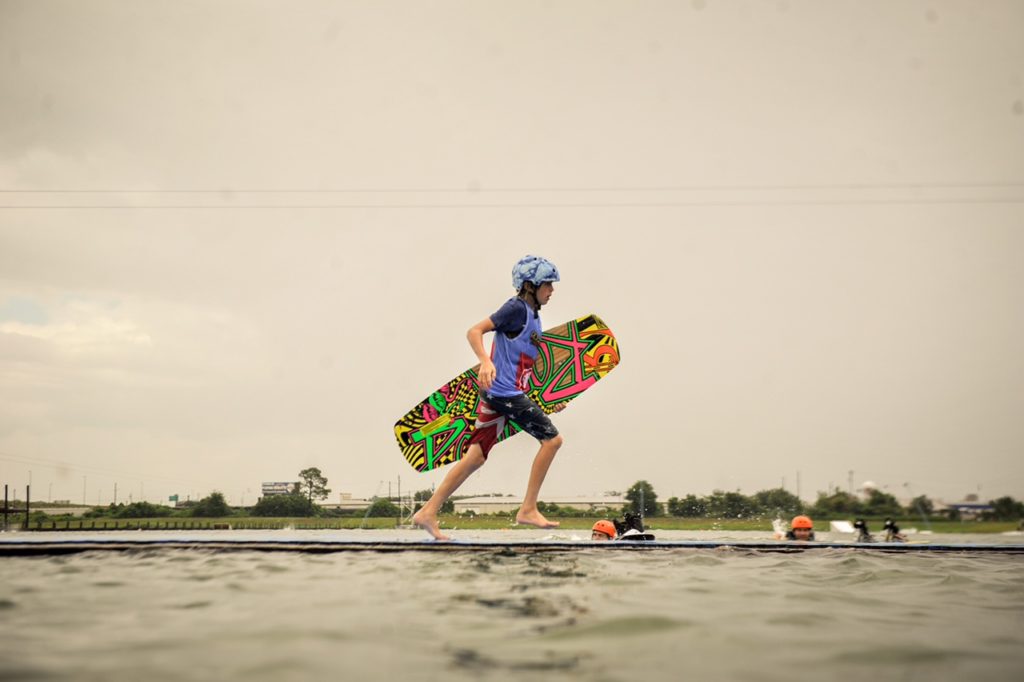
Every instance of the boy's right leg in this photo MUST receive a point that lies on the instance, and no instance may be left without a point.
(528, 512)
(426, 517)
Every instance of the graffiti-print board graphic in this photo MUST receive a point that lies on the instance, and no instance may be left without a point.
(572, 358)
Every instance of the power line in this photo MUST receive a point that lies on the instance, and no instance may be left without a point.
(233, 198)
(679, 204)
(512, 189)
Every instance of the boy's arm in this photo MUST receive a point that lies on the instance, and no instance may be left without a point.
(475, 335)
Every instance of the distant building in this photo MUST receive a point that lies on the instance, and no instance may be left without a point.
(278, 488)
(347, 502)
(967, 510)
(63, 511)
(609, 506)
(503, 505)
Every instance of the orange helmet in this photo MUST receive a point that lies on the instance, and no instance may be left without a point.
(802, 522)
(606, 527)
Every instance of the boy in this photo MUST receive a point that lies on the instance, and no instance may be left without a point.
(504, 376)
(801, 529)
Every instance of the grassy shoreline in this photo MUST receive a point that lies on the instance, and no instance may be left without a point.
(452, 522)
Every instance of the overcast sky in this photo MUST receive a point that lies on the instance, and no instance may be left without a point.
(238, 239)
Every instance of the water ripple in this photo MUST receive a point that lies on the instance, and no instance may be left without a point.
(630, 626)
(702, 614)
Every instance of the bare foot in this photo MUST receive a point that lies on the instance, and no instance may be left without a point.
(535, 519)
(428, 522)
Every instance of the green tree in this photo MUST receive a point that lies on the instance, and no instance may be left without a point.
(212, 506)
(382, 507)
(1005, 509)
(731, 505)
(690, 506)
(313, 484)
(141, 510)
(921, 505)
(777, 501)
(643, 499)
(834, 505)
(881, 504)
(293, 504)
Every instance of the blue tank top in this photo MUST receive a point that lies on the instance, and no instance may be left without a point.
(513, 358)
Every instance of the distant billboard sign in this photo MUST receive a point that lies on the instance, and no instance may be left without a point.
(278, 488)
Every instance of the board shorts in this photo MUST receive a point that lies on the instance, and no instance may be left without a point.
(493, 412)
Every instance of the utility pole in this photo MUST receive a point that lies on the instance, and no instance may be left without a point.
(798, 484)
(851, 481)
(115, 494)
(83, 490)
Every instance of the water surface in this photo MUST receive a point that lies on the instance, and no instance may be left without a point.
(584, 614)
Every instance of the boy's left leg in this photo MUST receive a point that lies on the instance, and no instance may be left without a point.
(489, 426)
(426, 517)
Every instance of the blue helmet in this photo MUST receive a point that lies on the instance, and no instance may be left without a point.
(533, 269)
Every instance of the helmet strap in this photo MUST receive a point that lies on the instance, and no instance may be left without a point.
(529, 294)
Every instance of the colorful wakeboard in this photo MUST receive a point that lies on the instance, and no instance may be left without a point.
(572, 358)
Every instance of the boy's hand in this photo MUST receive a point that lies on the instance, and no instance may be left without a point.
(487, 374)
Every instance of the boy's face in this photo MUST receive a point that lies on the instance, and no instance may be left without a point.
(544, 292)
(802, 533)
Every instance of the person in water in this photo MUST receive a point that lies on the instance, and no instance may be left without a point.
(503, 378)
(801, 528)
(631, 528)
(863, 534)
(603, 531)
(892, 532)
